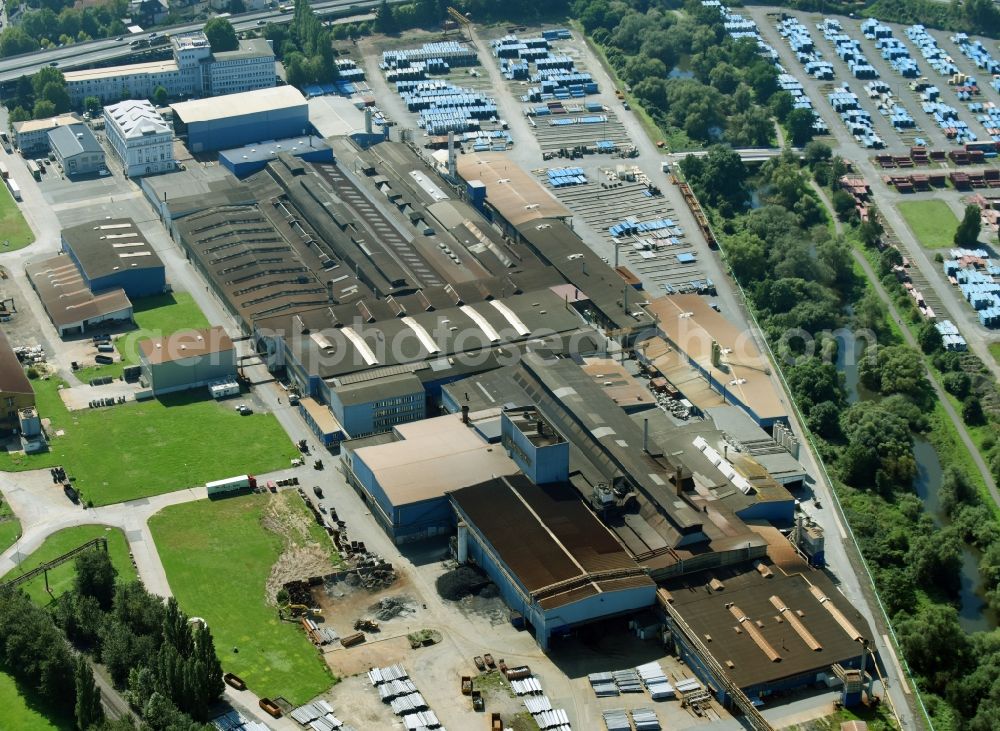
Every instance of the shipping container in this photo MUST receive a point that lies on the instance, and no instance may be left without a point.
(4, 172)
(36, 172)
(231, 485)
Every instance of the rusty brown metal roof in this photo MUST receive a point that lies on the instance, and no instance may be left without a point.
(548, 537)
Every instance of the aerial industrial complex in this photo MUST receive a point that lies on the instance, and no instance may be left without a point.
(483, 363)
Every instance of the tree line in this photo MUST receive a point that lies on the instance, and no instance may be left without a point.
(696, 83)
(58, 22)
(167, 669)
(800, 281)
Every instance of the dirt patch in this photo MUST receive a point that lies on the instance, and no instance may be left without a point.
(373, 653)
(343, 601)
(302, 557)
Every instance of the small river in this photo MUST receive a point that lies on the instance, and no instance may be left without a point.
(974, 615)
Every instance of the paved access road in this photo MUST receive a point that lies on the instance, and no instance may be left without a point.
(80, 55)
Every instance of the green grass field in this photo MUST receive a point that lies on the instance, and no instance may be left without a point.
(61, 577)
(14, 230)
(150, 447)
(154, 317)
(995, 351)
(217, 557)
(10, 526)
(932, 222)
(21, 713)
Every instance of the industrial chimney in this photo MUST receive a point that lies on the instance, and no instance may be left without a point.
(465, 414)
(452, 163)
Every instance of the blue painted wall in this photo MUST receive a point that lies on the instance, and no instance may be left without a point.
(137, 282)
(549, 463)
(222, 134)
(545, 623)
(242, 168)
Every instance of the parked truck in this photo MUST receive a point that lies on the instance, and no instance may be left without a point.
(15, 189)
(231, 485)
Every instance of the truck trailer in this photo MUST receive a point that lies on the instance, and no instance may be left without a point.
(231, 486)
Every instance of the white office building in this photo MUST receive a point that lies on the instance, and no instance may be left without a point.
(139, 137)
(193, 71)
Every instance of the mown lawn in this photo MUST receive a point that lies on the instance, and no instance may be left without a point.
(22, 713)
(217, 557)
(154, 317)
(932, 222)
(145, 448)
(995, 351)
(10, 526)
(14, 230)
(61, 577)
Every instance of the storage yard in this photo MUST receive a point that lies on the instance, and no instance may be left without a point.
(403, 341)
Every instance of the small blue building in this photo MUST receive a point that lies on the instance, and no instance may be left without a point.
(551, 558)
(537, 448)
(112, 254)
(321, 422)
(247, 160)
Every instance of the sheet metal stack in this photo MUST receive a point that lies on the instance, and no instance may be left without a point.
(627, 681)
(645, 719)
(377, 676)
(555, 719)
(421, 720)
(395, 688)
(688, 685)
(528, 686)
(603, 685)
(318, 716)
(537, 704)
(616, 720)
(408, 704)
(655, 681)
(540, 707)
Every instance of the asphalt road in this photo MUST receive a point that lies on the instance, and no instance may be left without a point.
(79, 55)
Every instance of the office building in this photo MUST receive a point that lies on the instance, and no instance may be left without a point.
(32, 136)
(193, 71)
(140, 138)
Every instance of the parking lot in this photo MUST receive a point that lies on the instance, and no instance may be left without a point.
(663, 256)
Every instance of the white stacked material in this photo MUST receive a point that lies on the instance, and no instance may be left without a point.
(651, 672)
(526, 686)
(687, 685)
(627, 681)
(420, 721)
(377, 676)
(408, 704)
(537, 704)
(660, 691)
(552, 719)
(616, 720)
(645, 719)
(308, 712)
(395, 688)
(329, 722)
(603, 685)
